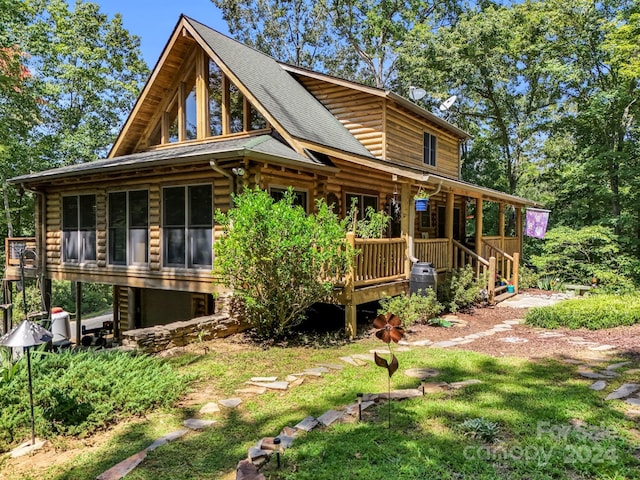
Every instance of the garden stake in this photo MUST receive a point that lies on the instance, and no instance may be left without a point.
(276, 442)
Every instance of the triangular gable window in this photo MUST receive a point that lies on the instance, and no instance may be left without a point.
(226, 111)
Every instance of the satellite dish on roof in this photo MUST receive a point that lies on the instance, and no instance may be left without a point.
(416, 93)
(446, 105)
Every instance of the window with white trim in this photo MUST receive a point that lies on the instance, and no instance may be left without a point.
(187, 226)
(79, 228)
(430, 145)
(129, 227)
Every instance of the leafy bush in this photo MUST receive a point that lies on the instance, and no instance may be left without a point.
(528, 277)
(592, 312)
(77, 393)
(577, 255)
(461, 291)
(277, 259)
(414, 308)
(372, 225)
(96, 298)
(481, 428)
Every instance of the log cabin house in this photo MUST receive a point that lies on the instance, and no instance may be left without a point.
(215, 116)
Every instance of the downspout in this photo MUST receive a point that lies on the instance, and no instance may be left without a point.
(216, 168)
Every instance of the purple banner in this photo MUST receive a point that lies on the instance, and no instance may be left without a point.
(536, 222)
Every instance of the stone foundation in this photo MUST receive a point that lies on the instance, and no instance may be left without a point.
(179, 334)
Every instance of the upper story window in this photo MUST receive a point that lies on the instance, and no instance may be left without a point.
(79, 228)
(361, 201)
(129, 228)
(220, 105)
(187, 213)
(300, 196)
(430, 145)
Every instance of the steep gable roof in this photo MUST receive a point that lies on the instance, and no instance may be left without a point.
(280, 98)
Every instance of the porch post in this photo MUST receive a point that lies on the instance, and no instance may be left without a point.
(491, 281)
(516, 271)
(350, 308)
(501, 225)
(407, 225)
(479, 226)
(519, 228)
(116, 311)
(448, 228)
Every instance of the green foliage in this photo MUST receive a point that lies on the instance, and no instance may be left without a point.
(8, 368)
(78, 393)
(372, 225)
(578, 255)
(96, 297)
(547, 282)
(528, 277)
(418, 307)
(277, 259)
(461, 291)
(593, 312)
(481, 428)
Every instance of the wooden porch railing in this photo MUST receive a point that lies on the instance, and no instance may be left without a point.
(13, 246)
(379, 260)
(433, 250)
(485, 269)
(506, 265)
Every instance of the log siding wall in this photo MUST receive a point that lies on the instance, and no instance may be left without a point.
(153, 275)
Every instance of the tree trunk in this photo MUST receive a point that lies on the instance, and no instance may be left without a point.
(7, 209)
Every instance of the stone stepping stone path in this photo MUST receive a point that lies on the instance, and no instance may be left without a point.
(209, 408)
(230, 402)
(623, 391)
(422, 373)
(599, 385)
(513, 340)
(197, 424)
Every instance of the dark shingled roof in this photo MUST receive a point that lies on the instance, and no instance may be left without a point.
(263, 145)
(293, 107)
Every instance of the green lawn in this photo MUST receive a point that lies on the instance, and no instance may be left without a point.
(551, 425)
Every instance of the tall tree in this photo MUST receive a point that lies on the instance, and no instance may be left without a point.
(354, 39)
(500, 62)
(91, 70)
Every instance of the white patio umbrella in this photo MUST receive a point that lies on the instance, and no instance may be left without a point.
(26, 335)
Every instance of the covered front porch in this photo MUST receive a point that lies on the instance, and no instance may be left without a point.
(383, 266)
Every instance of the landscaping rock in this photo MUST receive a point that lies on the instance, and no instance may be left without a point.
(433, 387)
(615, 366)
(633, 401)
(264, 379)
(248, 471)
(331, 366)
(307, 424)
(197, 424)
(368, 357)
(27, 448)
(352, 409)
(513, 340)
(592, 375)
(289, 432)
(422, 343)
(350, 361)
(209, 408)
(230, 402)
(257, 456)
(443, 344)
(124, 467)
(252, 389)
(599, 385)
(270, 385)
(330, 417)
(167, 438)
(401, 394)
(624, 391)
(602, 348)
(422, 373)
(297, 382)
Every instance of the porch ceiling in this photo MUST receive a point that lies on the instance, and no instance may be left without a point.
(417, 176)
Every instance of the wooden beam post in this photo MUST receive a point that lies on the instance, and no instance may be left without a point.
(501, 224)
(225, 109)
(448, 227)
(519, 228)
(182, 112)
(407, 226)
(479, 226)
(202, 96)
(351, 321)
(116, 311)
(491, 281)
(78, 313)
(516, 271)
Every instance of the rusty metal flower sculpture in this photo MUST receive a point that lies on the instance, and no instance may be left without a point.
(389, 329)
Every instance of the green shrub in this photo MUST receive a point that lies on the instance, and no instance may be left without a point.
(528, 277)
(78, 393)
(277, 259)
(461, 291)
(420, 307)
(480, 428)
(577, 255)
(593, 312)
(372, 225)
(547, 282)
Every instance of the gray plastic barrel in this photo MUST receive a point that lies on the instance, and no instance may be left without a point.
(60, 326)
(423, 276)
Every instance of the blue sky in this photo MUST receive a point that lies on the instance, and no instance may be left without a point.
(154, 20)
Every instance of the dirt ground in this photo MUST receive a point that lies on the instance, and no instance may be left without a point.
(626, 340)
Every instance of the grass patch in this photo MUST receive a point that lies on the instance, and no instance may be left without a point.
(545, 423)
(79, 393)
(593, 312)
